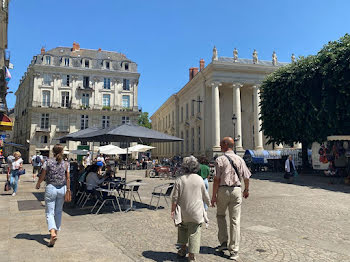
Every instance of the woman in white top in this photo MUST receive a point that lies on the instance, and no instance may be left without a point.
(15, 166)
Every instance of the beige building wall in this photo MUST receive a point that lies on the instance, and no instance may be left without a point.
(44, 85)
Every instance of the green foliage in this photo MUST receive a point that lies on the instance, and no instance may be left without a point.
(308, 100)
(144, 120)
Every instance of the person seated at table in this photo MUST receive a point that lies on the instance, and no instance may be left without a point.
(94, 177)
(109, 173)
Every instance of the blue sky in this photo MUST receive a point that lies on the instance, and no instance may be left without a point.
(166, 38)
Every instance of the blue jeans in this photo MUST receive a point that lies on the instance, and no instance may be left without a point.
(14, 180)
(206, 183)
(54, 200)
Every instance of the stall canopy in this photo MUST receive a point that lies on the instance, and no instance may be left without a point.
(140, 148)
(5, 123)
(111, 150)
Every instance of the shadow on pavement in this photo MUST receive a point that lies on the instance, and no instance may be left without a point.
(74, 210)
(159, 256)
(312, 181)
(40, 196)
(39, 238)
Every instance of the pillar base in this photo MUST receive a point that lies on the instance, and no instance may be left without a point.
(240, 150)
(259, 148)
(216, 151)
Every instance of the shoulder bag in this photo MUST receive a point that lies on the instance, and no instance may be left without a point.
(234, 167)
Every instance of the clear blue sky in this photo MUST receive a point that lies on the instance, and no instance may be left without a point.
(166, 38)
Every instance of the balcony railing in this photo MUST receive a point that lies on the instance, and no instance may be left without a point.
(62, 129)
(86, 107)
(42, 129)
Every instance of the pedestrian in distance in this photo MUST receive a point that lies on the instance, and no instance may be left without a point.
(55, 172)
(13, 171)
(227, 194)
(37, 162)
(290, 169)
(187, 208)
(204, 172)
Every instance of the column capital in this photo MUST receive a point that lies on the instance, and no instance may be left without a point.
(215, 83)
(238, 85)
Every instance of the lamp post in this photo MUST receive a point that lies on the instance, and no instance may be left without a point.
(234, 118)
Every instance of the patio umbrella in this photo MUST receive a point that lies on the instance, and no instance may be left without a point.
(111, 150)
(140, 148)
(123, 133)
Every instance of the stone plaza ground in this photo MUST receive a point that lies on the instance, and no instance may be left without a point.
(304, 221)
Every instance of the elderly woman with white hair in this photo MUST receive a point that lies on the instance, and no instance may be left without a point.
(187, 207)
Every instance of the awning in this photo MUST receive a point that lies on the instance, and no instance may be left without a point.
(5, 123)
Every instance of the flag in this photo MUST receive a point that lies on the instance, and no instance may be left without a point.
(7, 75)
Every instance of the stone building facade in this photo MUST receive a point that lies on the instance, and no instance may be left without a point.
(220, 99)
(68, 89)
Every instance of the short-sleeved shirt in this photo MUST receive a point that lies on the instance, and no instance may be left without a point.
(15, 164)
(35, 163)
(226, 173)
(87, 160)
(55, 172)
(204, 171)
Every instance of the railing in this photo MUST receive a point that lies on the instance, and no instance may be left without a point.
(84, 107)
(42, 129)
(62, 129)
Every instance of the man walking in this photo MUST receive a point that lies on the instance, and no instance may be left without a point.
(37, 162)
(227, 194)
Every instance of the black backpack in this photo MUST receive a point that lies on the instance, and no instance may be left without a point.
(38, 159)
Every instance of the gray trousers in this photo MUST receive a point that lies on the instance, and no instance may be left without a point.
(229, 198)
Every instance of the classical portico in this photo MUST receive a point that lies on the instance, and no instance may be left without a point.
(236, 88)
(222, 100)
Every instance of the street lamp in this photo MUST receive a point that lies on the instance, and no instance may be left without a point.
(234, 118)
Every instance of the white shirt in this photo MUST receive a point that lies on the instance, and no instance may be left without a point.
(15, 164)
(34, 160)
(92, 181)
(87, 160)
(100, 158)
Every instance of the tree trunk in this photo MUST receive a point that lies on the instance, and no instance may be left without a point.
(305, 157)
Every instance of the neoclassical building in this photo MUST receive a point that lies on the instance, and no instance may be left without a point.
(67, 89)
(220, 99)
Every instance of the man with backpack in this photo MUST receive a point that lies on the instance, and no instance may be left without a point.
(37, 162)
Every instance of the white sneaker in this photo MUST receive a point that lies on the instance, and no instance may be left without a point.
(13, 194)
(234, 255)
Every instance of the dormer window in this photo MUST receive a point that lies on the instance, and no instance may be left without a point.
(127, 66)
(66, 61)
(107, 64)
(48, 60)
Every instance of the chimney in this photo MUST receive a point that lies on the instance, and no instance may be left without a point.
(42, 51)
(201, 64)
(76, 46)
(193, 72)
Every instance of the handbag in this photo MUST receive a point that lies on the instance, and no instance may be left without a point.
(7, 186)
(68, 196)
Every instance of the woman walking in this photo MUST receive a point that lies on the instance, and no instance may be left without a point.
(188, 196)
(55, 172)
(15, 165)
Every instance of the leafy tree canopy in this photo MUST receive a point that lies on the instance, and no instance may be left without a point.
(309, 99)
(144, 120)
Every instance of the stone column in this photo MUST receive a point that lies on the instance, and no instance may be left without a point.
(257, 122)
(216, 115)
(237, 112)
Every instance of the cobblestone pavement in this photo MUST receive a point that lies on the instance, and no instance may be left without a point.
(304, 221)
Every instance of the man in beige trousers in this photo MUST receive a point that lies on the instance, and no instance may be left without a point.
(227, 194)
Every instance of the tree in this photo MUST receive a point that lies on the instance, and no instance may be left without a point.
(308, 100)
(144, 120)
